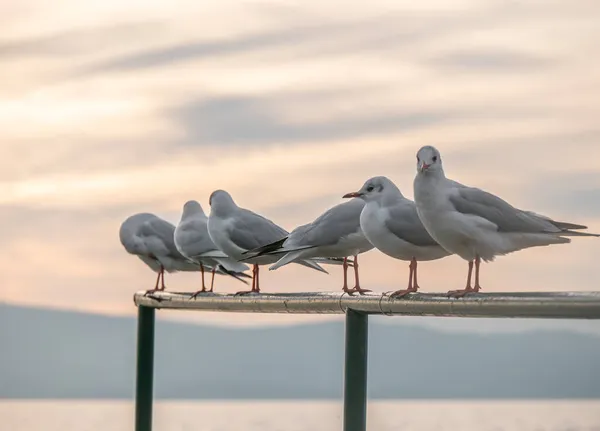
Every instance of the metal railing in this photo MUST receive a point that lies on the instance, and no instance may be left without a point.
(559, 305)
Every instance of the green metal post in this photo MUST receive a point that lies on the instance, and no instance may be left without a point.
(145, 369)
(355, 375)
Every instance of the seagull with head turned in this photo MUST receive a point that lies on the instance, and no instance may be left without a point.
(236, 230)
(335, 234)
(475, 224)
(390, 222)
(193, 241)
(151, 239)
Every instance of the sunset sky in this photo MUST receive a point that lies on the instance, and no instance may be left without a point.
(115, 107)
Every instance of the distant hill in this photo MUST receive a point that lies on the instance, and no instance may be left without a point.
(58, 354)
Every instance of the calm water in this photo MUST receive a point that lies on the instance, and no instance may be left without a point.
(303, 416)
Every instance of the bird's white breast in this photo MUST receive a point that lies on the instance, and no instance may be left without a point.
(373, 222)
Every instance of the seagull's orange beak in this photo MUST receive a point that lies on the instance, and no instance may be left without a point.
(352, 195)
(424, 166)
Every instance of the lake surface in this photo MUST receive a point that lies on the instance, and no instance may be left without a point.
(303, 416)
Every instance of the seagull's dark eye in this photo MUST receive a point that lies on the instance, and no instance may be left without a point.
(370, 188)
(434, 158)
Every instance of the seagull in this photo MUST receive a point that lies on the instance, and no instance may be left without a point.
(192, 241)
(151, 239)
(235, 230)
(390, 222)
(334, 234)
(476, 225)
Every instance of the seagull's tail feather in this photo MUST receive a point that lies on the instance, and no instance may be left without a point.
(267, 248)
(568, 226)
(232, 265)
(312, 264)
(235, 274)
(332, 261)
(562, 225)
(295, 256)
(571, 233)
(274, 251)
(288, 258)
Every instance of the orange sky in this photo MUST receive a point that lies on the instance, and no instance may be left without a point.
(117, 107)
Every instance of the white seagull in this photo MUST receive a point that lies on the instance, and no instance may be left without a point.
(477, 225)
(334, 234)
(390, 222)
(235, 230)
(151, 239)
(193, 241)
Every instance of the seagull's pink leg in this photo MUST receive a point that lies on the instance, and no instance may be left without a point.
(160, 276)
(411, 287)
(212, 279)
(162, 284)
(477, 263)
(356, 287)
(196, 293)
(257, 290)
(462, 292)
(255, 287)
(345, 267)
(416, 285)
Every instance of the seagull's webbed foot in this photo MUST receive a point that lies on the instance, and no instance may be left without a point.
(462, 292)
(150, 294)
(198, 292)
(403, 292)
(356, 289)
(245, 292)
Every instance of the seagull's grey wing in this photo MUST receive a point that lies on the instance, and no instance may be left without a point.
(160, 233)
(468, 200)
(404, 223)
(193, 239)
(335, 223)
(250, 230)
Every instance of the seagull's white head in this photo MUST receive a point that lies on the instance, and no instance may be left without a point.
(191, 208)
(220, 202)
(375, 189)
(129, 233)
(428, 160)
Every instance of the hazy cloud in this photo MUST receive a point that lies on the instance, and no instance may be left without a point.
(77, 41)
(256, 120)
(491, 60)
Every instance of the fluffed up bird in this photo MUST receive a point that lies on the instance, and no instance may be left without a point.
(235, 230)
(193, 241)
(151, 239)
(476, 225)
(334, 234)
(390, 222)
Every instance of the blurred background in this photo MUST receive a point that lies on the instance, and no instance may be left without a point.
(117, 107)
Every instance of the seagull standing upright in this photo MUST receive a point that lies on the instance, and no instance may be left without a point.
(476, 225)
(390, 222)
(334, 234)
(236, 230)
(193, 241)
